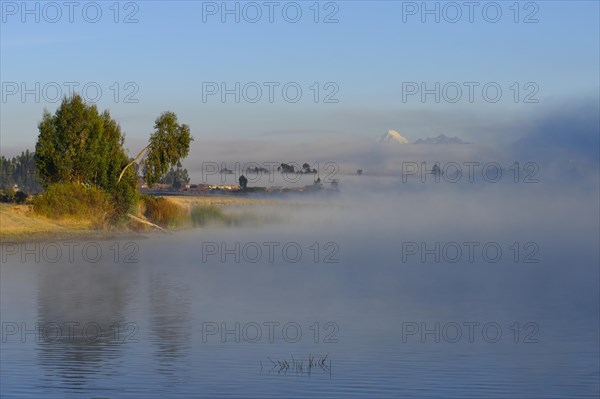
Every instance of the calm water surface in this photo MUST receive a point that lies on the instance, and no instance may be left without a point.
(192, 315)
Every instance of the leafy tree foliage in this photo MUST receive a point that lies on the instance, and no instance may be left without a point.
(169, 144)
(80, 145)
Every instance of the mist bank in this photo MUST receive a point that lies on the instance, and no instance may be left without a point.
(563, 139)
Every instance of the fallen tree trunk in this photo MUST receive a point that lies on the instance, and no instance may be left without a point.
(137, 219)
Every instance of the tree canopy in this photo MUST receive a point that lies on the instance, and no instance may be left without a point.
(80, 145)
(168, 145)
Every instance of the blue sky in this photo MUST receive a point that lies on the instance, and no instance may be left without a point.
(367, 56)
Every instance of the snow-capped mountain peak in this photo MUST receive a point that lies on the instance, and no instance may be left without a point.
(393, 136)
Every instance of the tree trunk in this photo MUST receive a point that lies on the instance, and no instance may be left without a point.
(132, 162)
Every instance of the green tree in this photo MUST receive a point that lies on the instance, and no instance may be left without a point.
(168, 145)
(80, 145)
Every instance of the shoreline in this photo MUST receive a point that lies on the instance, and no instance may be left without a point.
(19, 224)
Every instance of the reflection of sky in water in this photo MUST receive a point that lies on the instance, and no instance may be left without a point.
(172, 293)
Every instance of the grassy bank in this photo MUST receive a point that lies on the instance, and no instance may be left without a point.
(21, 223)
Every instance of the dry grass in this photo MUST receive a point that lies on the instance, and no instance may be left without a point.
(188, 201)
(231, 211)
(20, 222)
(163, 212)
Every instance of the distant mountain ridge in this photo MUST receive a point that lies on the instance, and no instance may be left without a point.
(441, 139)
(392, 136)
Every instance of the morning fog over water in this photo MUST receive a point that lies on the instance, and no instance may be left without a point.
(413, 290)
(290, 199)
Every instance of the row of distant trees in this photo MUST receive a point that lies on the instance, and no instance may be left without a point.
(290, 168)
(177, 177)
(19, 172)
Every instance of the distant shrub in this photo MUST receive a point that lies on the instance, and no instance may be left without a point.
(21, 197)
(205, 214)
(163, 212)
(13, 197)
(7, 196)
(71, 200)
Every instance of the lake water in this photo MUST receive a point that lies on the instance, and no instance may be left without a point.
(403, 293)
